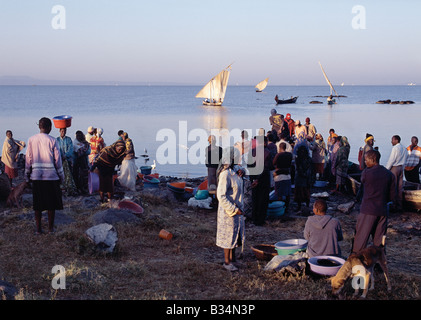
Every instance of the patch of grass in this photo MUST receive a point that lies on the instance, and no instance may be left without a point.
(189, 266)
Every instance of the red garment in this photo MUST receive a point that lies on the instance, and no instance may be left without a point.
(97, 144)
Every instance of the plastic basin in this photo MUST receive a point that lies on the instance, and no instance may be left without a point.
(324, 269)
(176, 187)
(63, 121)
(201, 194)
(93, 182)
(150, 179)
(290, 246)
(203, 185)
(130, 205)
(276, 208)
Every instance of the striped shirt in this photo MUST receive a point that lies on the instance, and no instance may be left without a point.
(413, 157)
(43, 159)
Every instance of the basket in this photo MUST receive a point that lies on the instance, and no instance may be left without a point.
(63, 121)
(264, 251)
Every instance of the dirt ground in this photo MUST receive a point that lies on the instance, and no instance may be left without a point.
(189, 266)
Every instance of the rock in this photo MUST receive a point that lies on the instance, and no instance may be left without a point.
(205, 203)
(7, 290)
(104, 236)
(346, 207)
(60, 218)
(27, 200)
(90, 202)
(113, 216)
(320, 195)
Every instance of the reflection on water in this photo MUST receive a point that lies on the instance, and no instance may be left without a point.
(214, 118)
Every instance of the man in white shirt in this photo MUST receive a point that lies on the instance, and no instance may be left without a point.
(396, 164)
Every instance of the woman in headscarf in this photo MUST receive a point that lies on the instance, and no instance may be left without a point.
(319, 153)
(81, 151)
(128, 171)
(300, 141)
(105, 164)
(341, 163)
(230, 219)
(302, 177)
(10, 154)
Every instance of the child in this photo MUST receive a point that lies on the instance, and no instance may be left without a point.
(322, 232)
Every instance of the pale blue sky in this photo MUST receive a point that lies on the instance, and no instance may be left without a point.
(186, 41)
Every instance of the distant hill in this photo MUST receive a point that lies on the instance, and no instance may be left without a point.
(30, 81)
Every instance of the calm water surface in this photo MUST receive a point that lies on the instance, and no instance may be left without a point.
(145, 111)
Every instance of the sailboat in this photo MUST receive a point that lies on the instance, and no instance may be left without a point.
(214, 90)
(261, 85)
(329, 99)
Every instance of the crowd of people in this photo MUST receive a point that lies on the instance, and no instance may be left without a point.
(295, 156)
(57, 165)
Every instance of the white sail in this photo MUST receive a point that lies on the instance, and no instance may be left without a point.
(216, 88)
(262, 85)
(327, 80)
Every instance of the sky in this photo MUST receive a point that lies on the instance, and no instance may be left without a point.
(189, 41)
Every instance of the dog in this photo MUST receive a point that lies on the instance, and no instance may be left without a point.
(15, 196)
(361, 265)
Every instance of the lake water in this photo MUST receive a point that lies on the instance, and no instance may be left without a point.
(159, 116)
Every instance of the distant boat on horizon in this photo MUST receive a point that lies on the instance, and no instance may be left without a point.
(411, 84)
(262, 85)
(214, 91)
(329, 99)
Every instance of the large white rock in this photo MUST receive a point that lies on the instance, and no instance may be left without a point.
(104, 236)
(346, 207)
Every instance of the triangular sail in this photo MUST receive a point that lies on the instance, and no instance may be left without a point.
(262, 84)
(215, 89)
(327, 80)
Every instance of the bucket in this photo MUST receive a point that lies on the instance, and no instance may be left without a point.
(146, 170)
(93, 182)
(164, 234)
(201, 194)
(62, 121)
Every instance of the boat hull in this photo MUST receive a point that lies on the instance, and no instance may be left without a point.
(206, 103)
(411, 191)
(292, 100)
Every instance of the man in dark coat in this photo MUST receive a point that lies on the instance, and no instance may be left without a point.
(379, 189)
